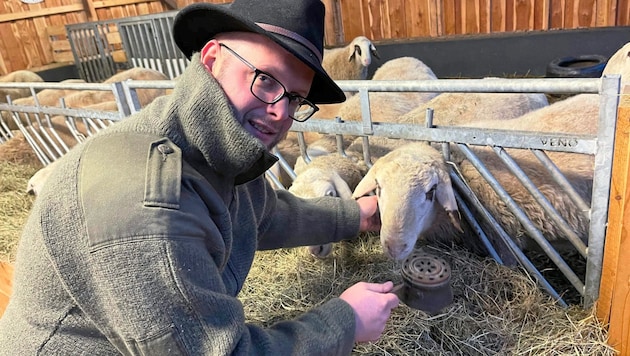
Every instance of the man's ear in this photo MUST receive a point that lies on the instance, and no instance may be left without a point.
(209, 53)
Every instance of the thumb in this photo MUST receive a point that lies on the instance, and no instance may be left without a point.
(380, 287)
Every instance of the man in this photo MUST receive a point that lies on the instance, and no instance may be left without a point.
(143, 236)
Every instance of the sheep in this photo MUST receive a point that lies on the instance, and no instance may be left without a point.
(37, 180)
(329, 175)
(145, 96)
(46, 97)
(579, 115)
(14, 77)
(384, 106)
(346, 63)
(412, 183)
(389, 106)
(619, 63)
(17, 148)
(452, 109)
(350, 62)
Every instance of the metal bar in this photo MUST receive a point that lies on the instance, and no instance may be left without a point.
(534, 233)
(518, 85)
(559, 178)
(505, 138)
(609, 100)
(549, 209)
(478, 230)
(366, 115)
(463, 188)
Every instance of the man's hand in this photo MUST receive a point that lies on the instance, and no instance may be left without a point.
(370, 216)
(372, 304)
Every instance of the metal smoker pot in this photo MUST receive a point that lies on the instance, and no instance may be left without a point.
(426, 283)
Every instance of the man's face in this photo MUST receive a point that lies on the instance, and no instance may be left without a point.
(267, 122)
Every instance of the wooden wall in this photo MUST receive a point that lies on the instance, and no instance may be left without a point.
(386, 19)
(613, 305)
(25, 44)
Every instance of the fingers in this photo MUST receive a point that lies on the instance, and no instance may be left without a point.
(379, 287)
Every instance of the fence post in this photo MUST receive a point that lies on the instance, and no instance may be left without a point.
(613, 306)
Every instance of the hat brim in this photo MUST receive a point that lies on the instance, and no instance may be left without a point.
(198, 23)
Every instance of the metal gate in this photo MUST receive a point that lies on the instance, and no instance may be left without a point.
(600, 146)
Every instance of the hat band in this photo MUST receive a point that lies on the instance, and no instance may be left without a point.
(292, 35)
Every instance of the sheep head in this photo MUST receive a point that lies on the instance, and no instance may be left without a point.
(411, 183)
(319, 182)
(313, 181)
(363, 50)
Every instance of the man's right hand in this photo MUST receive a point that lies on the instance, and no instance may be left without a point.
(372, 304)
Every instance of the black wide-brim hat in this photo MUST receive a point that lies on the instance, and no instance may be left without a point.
(296, 25)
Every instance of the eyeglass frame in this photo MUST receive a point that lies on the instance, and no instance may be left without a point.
(298, 99)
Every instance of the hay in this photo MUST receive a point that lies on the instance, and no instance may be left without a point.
(496, 310)
(15, 204)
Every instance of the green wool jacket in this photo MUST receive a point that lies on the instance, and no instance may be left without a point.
(143, 236)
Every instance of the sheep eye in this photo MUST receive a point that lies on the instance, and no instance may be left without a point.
(431, 193)
(331, 193)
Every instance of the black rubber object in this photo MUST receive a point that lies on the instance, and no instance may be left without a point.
(584, 66)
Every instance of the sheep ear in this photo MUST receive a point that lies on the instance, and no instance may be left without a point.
(374, 52)
(366, 185)
(353, 54)
(446, 198)
(343, 191)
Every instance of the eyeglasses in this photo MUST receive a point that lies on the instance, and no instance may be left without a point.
(269, 90)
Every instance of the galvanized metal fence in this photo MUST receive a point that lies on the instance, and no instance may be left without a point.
(600, 146)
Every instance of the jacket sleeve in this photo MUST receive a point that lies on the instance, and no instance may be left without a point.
(291, 221)
(153, 281)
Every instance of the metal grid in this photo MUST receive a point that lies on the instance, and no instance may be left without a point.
(600, 146)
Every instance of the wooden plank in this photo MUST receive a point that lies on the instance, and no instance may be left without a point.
(435, 12)
(470, 17)
(448, 17)
(41, 12)
(623, 17)
(523, 15)
(113, 37)
(484, 16)
(509, 15)
(113, 3)
(393, 15)
(419, 19)
(6, 284)
(585, 13)
(374, 24)
(459, 17)
(16, 58)
(352, 12)
(541, 15)
(498, 10)
(603, 9)
(63, 57)
(332, 21)
(91, 10)
(42, 38)
(119, 56)
(57, 31)
(30, 46)
(613, 305)
(61, 45)
(556, 19)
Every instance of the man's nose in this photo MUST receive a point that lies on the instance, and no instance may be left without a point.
(281, 110)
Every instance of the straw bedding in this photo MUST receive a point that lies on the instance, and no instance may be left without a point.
(496, 310)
